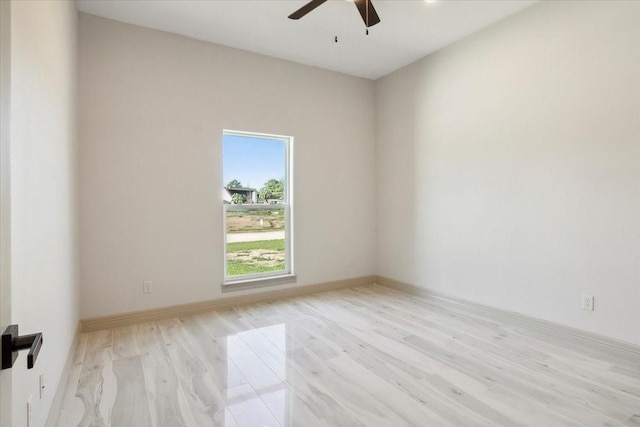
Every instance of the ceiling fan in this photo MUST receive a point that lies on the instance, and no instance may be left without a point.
(366, 9)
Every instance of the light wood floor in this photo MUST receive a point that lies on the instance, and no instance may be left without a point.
(368, 356)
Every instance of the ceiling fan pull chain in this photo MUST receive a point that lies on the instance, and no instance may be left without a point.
(334, 20)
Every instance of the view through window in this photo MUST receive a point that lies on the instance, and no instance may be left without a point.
(257, 205)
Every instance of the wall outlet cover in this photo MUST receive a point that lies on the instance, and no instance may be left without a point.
(587, 302)
(147, 287)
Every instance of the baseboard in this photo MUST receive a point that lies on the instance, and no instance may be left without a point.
(107, 322)
(511, 316)
(58, 397)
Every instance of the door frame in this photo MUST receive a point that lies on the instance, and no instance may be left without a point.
(5, 199)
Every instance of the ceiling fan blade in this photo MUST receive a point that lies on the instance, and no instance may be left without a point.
(373, 17)
(306, 9)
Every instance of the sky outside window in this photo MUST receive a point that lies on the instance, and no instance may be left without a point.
(252, 160)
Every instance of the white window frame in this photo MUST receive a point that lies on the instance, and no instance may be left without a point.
(287, 206)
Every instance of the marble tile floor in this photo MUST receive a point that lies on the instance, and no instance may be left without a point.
(367, 356)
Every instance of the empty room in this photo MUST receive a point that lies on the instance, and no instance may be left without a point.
(319, 213)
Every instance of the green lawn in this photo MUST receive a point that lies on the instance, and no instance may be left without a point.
(255, 257)
(272, 245)
(236, 268)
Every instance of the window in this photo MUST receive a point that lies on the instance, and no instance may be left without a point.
(257, 206)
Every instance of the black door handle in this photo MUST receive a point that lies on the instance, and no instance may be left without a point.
(12, 343)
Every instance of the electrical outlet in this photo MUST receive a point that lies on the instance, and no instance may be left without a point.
(587, 302)
(41, 385)
(29, 408)
(147, 287)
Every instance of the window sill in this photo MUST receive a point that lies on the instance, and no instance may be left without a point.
(260, 282)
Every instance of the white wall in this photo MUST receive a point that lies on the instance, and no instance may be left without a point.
(152, 109)
(508, 167)
(43, 194)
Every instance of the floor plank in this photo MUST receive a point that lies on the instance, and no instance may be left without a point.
(131, 406)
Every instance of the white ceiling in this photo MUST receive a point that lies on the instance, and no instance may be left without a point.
(409, 29)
